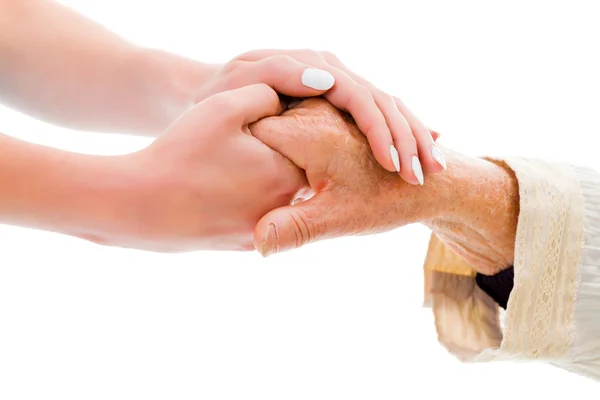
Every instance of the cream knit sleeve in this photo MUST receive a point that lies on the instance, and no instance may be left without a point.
(553, 314)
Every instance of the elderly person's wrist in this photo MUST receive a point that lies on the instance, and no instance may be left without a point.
(355, 196)
(477, 210)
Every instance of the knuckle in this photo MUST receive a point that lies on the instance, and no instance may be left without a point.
(262, 88)
(309, 56)
(284, 59)
(231, 75)
(315, 54)
(279, 64)
(386, 99)
(249, 55)
(304, 229)
(308, 52)
(266, 91)
(232, 66)
(329, 57)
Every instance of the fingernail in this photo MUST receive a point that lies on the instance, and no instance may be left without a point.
(417, 170)
(395, 157)
(317, 79)
(438, 155)
(270, 240)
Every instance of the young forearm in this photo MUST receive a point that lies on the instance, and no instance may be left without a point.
(60, 67)
(54, 190)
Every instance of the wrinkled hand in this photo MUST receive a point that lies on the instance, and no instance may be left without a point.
(481, 226)
(206, 182)
(399, 141)
(472, 206)
(353, 194)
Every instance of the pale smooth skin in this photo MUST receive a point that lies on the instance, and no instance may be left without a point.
(473, 205)
(94, 80)
(175, 195)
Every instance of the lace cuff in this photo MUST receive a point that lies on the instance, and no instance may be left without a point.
(552, 313)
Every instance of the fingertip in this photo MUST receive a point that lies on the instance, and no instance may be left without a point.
(417, 169)
(409, 178)
(432, 157)
(383, 148)
(411, 170)
(387, 157)
(432, 167)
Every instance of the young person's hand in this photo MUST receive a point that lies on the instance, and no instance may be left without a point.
(399, 141)
(206, 182)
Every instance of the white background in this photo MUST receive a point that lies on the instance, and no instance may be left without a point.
(339, 319)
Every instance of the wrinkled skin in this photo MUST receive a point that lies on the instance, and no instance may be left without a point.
(473, 206)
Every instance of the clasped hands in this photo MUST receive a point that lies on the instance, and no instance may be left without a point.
(240, 171)
(235, 173)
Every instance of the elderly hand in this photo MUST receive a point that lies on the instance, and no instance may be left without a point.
(471, 204)
(400, 142)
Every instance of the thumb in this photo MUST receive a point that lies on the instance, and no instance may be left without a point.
(294, 226)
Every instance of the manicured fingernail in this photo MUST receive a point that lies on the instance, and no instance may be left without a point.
(395, 157)
(438, 155)
(270, 240)
(417, 170)
(317, 79)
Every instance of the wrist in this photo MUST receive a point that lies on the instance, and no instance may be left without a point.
(101, 200)
(478, 212)
(475, 189)
(172, 81)
(443, 195)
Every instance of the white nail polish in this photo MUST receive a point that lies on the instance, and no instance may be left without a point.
(438, 156)
(417, 170)
(317, 79)
(395, 157)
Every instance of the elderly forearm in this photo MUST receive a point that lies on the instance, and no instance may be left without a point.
(478, 211)
(552, 212)
(60, 67)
